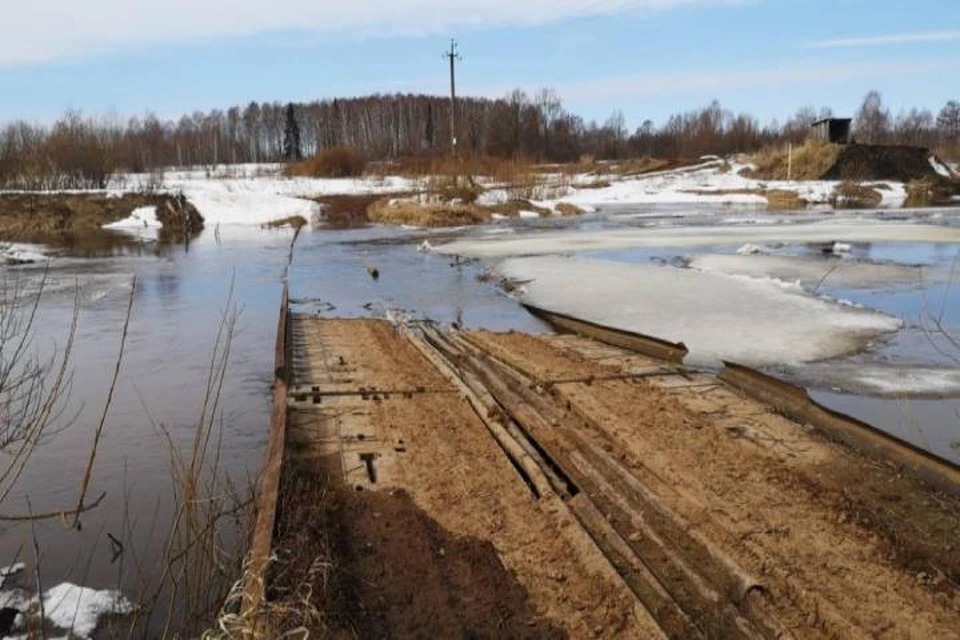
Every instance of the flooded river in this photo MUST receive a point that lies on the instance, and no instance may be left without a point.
(182, 293)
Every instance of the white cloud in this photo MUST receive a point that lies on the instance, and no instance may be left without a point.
(707, 84)
(896, 38)
(44, 30)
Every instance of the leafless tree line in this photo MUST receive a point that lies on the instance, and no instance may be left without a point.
(83, 152)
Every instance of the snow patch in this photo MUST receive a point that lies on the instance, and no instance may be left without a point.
(939, 167)
(142, 222)
(18, 253)
(68, 607)
(13, 569)
(79, 609)
(142, 218)
(719, 317)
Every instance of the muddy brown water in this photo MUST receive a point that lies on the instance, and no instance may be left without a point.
(180, 294)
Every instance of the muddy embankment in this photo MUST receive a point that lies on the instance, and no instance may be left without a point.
(75, 221)
(914, 166)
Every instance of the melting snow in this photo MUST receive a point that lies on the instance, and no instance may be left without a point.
(17, 253)
(143, 222)
(718, 317)
(939, 167)
(78, 609)
(142, 218)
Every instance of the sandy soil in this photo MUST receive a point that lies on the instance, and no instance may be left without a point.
(682, 509)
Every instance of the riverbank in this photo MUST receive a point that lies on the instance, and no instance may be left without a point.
(185, 199)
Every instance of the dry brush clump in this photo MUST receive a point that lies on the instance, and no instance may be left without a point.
(335, 162)
(930, 191)
(783, 200)
(294, 222)
(851, 195)
(415, 212)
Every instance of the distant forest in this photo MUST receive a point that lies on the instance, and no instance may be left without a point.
(84, 152)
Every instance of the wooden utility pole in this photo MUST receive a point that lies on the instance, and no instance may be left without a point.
(453, 55)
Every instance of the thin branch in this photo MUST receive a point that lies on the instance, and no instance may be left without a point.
(33, 517)
(106, 408)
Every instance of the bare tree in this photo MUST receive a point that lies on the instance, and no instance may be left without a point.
(873, 120)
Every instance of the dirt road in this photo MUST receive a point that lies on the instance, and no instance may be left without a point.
(457, 484)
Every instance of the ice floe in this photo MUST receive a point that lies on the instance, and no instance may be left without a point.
(883, 380)
(719, 317)
(578, 240)
(809, 271)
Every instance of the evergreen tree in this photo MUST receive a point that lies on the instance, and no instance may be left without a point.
(292, 150)
(429, 130)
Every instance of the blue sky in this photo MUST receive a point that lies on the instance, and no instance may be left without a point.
(649, 58)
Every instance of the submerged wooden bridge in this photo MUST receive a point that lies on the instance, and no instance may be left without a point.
(423, 481)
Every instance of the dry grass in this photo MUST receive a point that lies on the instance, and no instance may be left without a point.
(427, 211)
(513, 208)
(783, 200)
(568, 209)
(850, 195)
(928, 192)
(335, 162)
(596, 183)
(346, 211)
(426, 214)
(810, 162)
(453, 190)
(504, 170)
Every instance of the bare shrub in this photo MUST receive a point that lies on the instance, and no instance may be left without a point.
(850, 195)
(32, 390)
(929, 191)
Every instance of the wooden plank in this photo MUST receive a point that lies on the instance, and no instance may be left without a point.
(796, 403)
(262, 542)
(632, 341)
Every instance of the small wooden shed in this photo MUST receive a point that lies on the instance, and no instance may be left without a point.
(835, 130)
